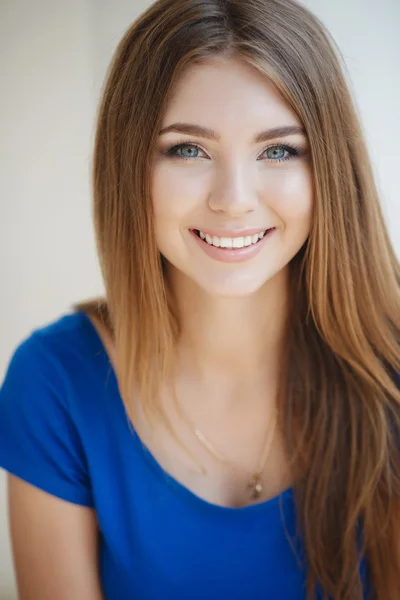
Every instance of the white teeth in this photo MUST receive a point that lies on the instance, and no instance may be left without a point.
(238, 242)
(226, 242)
(247, 240)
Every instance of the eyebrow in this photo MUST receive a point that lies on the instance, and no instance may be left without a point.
(263, 136)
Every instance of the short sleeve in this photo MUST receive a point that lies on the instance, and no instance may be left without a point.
(39, 441)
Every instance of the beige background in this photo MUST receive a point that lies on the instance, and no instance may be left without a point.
(53, 58)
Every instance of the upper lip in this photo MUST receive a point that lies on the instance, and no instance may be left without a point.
(231, 233)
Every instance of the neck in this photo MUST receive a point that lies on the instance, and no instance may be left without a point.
(237, 340)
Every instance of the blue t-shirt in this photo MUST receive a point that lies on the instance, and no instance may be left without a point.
(63, 428)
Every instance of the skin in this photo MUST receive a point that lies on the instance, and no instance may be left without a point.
(232, 315)
(54, 544)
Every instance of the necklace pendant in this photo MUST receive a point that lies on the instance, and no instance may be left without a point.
(255, 486)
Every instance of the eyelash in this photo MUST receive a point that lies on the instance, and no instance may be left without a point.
(294, 151)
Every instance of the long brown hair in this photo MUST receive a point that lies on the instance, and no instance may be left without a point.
(341, 406)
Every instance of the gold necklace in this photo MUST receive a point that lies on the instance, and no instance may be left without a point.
(255, 484)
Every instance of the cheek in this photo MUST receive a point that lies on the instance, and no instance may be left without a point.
(175, 194)
(291, 198)
(174, 204)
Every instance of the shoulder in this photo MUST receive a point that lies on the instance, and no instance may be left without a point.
(62, 338)
(47, 397)
(64, 348)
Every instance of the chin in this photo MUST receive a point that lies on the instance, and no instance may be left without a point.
(233, 286)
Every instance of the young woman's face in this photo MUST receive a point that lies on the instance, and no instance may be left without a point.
(230, 187)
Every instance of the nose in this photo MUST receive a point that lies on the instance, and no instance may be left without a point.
(234, 192)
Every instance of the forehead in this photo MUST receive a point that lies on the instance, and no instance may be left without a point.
(227, 92)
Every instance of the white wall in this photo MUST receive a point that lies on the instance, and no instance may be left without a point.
(53, 58)
(47, 106)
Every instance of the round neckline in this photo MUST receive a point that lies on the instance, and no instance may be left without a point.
(150, 460)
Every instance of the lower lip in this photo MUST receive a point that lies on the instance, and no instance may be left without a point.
(232, 254)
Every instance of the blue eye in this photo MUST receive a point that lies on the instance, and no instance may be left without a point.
(290, 151)
(174, 151)
(277, 150)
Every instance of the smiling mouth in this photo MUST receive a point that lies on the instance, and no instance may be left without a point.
(232, 243)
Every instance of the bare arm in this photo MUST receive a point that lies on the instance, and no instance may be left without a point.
(54, 544)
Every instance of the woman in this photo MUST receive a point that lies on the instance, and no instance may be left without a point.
(223, 423)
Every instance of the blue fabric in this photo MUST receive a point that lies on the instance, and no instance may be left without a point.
(63, 429)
